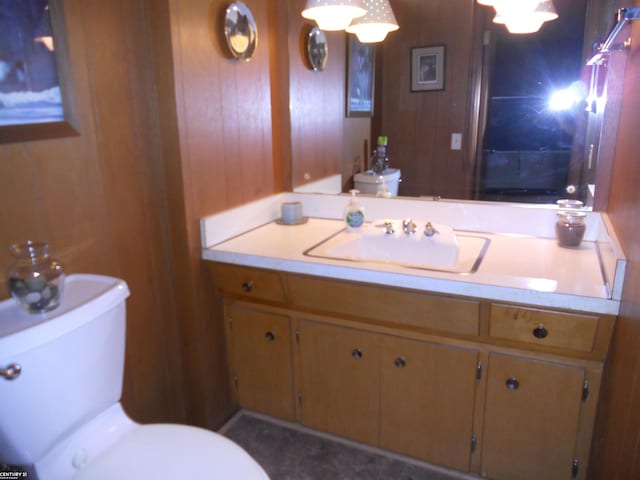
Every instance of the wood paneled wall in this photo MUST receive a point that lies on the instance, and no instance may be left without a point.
(323, 140)
(420, 124)
(98, 198)
(216, 130)
(316, 102)
(616, 446)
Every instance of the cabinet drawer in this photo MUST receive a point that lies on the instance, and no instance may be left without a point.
(383, 304)
(249, 282)
(542, 327)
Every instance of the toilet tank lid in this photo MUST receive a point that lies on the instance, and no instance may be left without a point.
(84, 297)
(370, 177)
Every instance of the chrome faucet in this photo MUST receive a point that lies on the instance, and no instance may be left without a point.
(429, 230)
(408, 226)
(388, 228)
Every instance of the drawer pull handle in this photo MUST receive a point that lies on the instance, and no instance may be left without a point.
(540, 332)
(400, 362)
(270, 336)
(247, 286)
(512, 383)
(356, 353)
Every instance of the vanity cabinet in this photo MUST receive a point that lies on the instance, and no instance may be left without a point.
(532, 417)
(427, 401)
(259, 353)
(411, 397)
(340, 380)
(499, 390)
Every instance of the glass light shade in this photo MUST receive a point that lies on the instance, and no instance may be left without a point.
(518, 4)
(510, 8)
(527, 21)
(520, 25)
(376, 24)
(333, 15)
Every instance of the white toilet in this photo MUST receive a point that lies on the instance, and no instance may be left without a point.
(370, 183)
(61, 412)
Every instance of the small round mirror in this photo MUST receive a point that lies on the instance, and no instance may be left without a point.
(241, 31)
(317, 49)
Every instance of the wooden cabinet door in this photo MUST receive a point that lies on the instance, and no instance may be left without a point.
(340, 380)
(261, 362)
(531, 419)
(427, 401)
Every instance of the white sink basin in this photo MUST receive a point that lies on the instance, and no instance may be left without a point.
(445, 251)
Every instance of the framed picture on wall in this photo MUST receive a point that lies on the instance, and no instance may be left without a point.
(360, 78)
(34, 100)
(427, 68)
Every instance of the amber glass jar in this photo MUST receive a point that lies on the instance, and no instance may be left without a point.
(570, 228)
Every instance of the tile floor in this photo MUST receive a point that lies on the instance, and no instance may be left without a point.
(291, 452)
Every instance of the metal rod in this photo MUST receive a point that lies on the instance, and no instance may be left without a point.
(624, 15)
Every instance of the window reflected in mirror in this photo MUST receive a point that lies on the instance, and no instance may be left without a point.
(535, 102)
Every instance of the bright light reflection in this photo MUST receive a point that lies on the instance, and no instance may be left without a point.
(562, 100)
(568, 98)
(542, 284)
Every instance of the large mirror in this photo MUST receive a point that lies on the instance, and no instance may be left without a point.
(504, 127)
(520, 138)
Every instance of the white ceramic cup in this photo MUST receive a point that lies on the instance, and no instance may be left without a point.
(291, 212)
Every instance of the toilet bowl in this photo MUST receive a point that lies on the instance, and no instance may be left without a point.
(370, 183)
(62, 415)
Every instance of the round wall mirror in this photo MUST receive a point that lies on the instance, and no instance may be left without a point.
(317, 49)
(241, 31)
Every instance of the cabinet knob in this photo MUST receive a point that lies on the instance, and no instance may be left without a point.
(540, 331)
(356, 353)
(247, 286)
(400, 362)
(512, 383)
(11, 372)
(270, 336)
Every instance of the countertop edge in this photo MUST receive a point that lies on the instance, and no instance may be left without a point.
(426, 284)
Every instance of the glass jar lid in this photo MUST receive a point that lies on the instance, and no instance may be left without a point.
(568, 203)
(572, 217)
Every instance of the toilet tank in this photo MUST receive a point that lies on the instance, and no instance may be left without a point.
(71, 360)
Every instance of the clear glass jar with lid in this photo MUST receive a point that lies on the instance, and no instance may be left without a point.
(34, 278)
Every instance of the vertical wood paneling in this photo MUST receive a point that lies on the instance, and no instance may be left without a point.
(616, 447)
(278, 44)
(216, 130)
(317, 105)
(95, 197)
(127, 152)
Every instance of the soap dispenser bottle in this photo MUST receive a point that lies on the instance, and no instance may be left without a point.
(354, 213)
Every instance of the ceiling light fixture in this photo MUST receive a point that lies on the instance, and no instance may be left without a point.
(376, 24)
(525, 21)
(523, 16)
(333, 15)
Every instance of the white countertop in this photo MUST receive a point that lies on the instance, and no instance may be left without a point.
(519, 266)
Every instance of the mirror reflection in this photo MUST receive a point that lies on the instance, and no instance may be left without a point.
(499, 130)
(536, 97)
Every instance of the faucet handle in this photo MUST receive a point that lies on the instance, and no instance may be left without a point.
(388, 228)
(430, 230)
(408, 226)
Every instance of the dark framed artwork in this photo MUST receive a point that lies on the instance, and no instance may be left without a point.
(34, 85)
(360, 78)
(427, 68)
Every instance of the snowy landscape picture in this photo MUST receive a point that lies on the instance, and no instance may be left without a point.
(29, 85)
